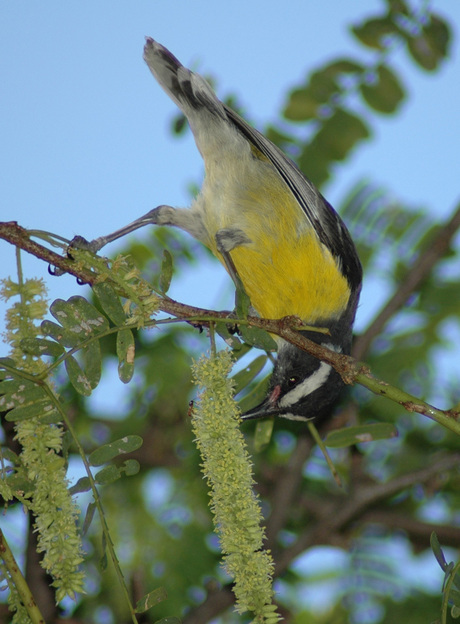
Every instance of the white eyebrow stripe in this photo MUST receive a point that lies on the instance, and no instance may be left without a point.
(307, 386)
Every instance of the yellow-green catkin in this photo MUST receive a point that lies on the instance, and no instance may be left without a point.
(41, 463)
(227, 466)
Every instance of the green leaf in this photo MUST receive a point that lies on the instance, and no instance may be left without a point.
(63, 336)
(41, 346)
(257, 338)
(252, 335)
(166, 271)
(373, 32)
(88, 517)
(432, 45)
(385, 93)
(82, 485)
(241, 352)
(79, 316)
(342, 131)
(125, 351)
(78, 320)
(362, 433)
(302, 105)
(103, 561)
(105, 453)
(77, 377)
(39, 408)
(150, 600)
(24, 399)
(110, 302)
(398, 6)
(107, 475)
(233, 341)
(93, 363)
(263, 433)
(243, 378)
(242, 301)
(334, 140)
(130, 467)
(6, 362)
(256, 396)
(342, 66)
(18, 392)
(437, 551)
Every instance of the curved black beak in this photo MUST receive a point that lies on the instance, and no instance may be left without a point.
(264, 410)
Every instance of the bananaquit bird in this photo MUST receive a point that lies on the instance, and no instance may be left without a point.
(273, 229)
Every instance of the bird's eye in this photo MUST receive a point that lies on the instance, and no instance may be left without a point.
(293, 381)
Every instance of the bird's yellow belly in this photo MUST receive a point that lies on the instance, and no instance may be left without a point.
(285, 270)
(298, 276)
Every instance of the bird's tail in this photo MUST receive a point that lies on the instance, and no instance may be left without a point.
(190, 91)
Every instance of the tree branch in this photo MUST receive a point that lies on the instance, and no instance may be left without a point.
(287, 328)
(19, 582)
(336, 519)
(333, 522)
(421, 269)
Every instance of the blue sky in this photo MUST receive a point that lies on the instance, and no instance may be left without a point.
(85, 144)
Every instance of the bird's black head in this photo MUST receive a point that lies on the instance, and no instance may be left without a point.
(301, 387)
